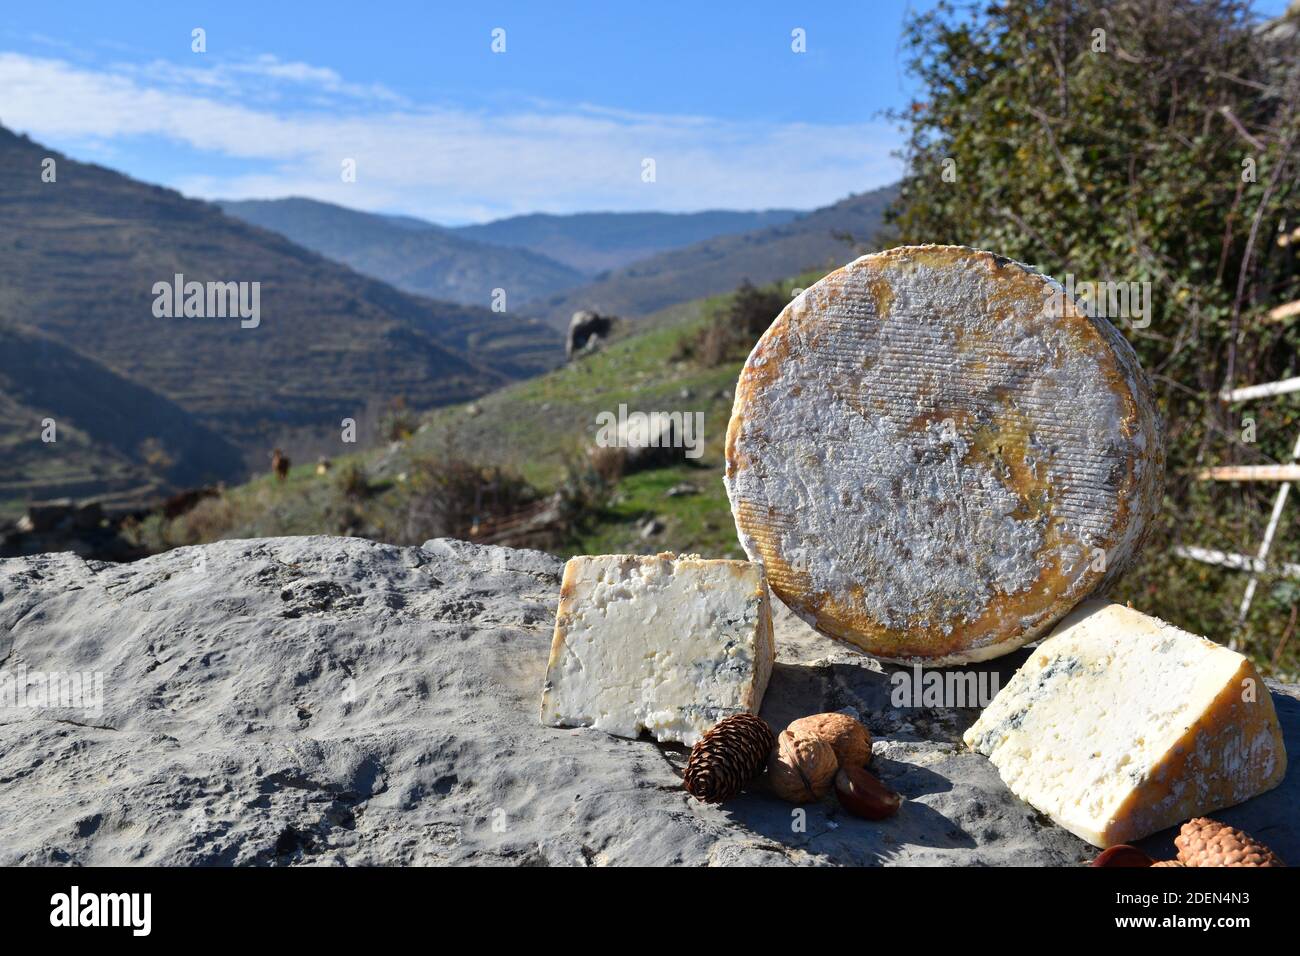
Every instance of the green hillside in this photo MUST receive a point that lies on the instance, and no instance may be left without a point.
(525, 446)
(536, 431)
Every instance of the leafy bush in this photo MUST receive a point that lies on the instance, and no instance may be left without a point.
(453, 497)
(607, 463)
(1137, 141)
(209, 520)
(585, 488)
(732, 332)
(398, 423)
(353, 483)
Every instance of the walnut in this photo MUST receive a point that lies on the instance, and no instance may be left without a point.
(1206, 842)
(847, 737)
(801, 768)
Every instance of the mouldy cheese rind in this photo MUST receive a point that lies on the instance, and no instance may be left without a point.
(1120, 725)
(667, 644)
(936, 455)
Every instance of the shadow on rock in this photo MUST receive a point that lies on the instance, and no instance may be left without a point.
(826, 832)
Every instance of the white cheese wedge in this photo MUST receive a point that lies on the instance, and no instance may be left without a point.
(1120, 725)
(936, 455)
(666, 644)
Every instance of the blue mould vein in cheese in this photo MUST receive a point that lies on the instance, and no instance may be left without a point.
(661, 643)
(1120, 725)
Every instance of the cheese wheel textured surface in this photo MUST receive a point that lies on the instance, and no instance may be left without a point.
(936, 455)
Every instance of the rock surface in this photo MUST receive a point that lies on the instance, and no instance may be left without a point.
(335, 701)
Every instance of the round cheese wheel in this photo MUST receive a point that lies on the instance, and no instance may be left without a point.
(936, 454)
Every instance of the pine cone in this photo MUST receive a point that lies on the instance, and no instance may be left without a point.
(1206, 842)
(727, 757)
(1167, 863)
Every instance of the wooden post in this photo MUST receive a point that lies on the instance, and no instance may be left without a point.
(1261, 391)
(1283, 473)
(1234, 562)
(1284, 311)
(1250, 473)
(1278, 504)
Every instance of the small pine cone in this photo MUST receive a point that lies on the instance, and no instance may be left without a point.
(727, 757)
(1206, 842)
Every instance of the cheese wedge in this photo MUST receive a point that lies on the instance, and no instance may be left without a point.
(936, 455)
(666, 644)
(1120, 725)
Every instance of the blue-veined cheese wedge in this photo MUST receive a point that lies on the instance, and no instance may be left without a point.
(936, 454)
(1120, 725)
(661, 643)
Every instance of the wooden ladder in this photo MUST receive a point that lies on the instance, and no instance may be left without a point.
(1286, 474)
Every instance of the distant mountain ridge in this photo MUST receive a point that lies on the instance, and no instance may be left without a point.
(411, 254)
(826, 237)
(593, 242)
(79, 257)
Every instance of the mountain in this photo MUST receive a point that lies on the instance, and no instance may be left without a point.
(80, 258)
(594, 242)
(113, 435)
(823, 238)
(411, 254)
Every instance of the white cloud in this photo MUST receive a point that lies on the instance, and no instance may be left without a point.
(249, 79)
(447, 164)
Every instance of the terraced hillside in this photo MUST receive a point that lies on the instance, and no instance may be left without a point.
(79, 259)
(112, 436)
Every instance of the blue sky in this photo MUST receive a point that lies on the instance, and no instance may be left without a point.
(440, 126)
